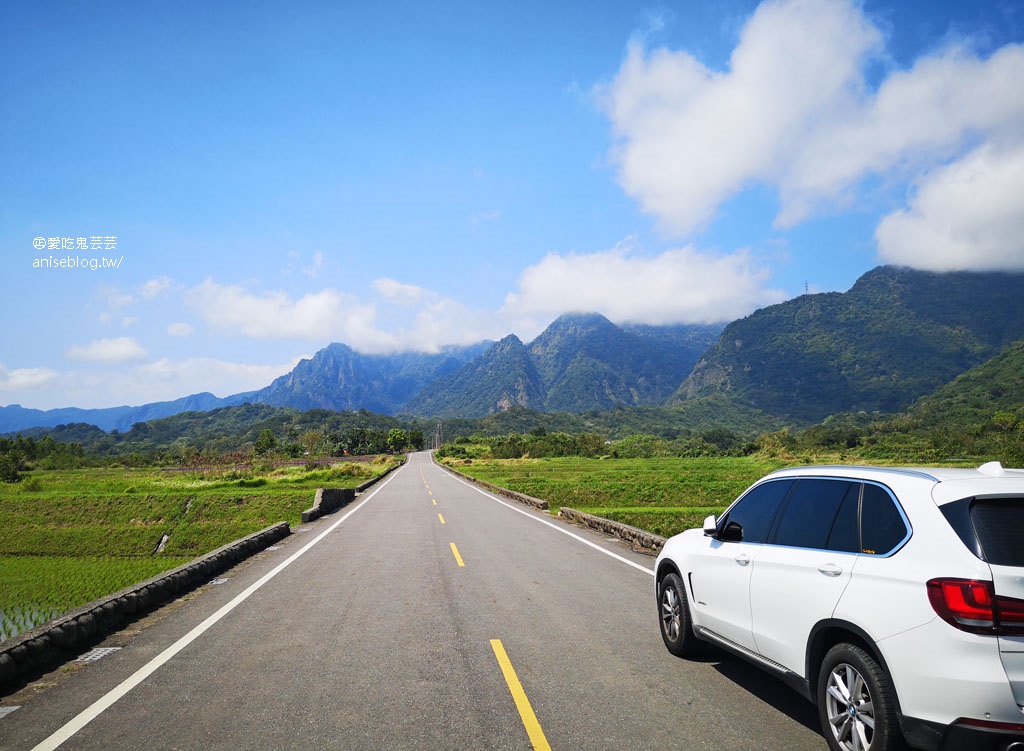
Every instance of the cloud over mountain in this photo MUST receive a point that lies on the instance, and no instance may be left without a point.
(796, 110)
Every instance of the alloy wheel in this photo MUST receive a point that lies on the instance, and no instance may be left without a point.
(670, 620)
(851, 710)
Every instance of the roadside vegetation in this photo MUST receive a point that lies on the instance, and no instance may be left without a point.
(85, 513)
(70, 536)
(667, 485)
(663, 495)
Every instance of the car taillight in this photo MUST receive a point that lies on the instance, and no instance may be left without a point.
(972, 605)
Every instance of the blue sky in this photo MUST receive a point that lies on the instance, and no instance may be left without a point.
(270, 177)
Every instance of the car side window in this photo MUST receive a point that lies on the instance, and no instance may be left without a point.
(752, 515)
(882, 526)
(812, 511)
(845, 533)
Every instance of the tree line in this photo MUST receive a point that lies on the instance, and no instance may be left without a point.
(21, 454)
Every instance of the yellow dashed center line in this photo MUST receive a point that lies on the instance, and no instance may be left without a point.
(533, 729)
(458, 558)
(441, 518)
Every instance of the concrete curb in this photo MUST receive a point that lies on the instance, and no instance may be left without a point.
(633, 535)
(56, 640)
(529, 500)
(328, 500)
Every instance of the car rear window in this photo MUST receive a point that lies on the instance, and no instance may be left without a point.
(999, 524)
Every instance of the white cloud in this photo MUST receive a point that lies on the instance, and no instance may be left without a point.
(114, 298)
(172, 379)
(180, 329)
(25, 379)
(794, 111)
(119, 349)
(918, 119)
(444, 321)
(423, 320)
(690, 137)
(436, 320)
(155, 287)
(398, 293)
(315, 267)
(967, 215)
(161, 380)
(270, 315)
(680, 285)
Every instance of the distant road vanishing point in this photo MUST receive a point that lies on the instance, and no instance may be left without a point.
(426, 615)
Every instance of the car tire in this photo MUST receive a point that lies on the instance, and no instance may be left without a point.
(856, 702)
(674, 619)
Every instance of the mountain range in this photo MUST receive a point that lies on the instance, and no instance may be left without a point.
(896, 336)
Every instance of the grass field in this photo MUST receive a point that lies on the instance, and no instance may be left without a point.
(70, 537)
(661, 495)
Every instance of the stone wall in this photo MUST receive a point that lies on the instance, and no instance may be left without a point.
(328, 500)
(636, 537)
(55, 641)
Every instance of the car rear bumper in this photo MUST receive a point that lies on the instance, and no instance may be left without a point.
(963, 735)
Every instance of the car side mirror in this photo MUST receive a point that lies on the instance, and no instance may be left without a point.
(710, 526)
(733, 532)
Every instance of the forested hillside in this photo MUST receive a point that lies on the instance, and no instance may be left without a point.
(896, 336)
(581, 362)
(502, 377)
(340, 378)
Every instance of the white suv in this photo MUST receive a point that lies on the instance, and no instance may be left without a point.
(891, 598)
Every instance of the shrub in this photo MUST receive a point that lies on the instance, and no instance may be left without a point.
(11, 466)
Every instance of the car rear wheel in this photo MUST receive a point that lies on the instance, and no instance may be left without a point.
(674, 617)
(856, 702)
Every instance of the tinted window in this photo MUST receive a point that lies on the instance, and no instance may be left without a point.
(844, 535)
(812, 511)
(754, 511)
(999, 523)
(881, 525)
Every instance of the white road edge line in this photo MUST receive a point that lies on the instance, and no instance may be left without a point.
(553, 526)
(104, 703)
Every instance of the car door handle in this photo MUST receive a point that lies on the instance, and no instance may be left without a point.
(743, 559)
(830, 569)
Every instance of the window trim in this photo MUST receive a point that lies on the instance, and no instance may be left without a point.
(899, 508)
(723, 519)
(862, 483)
(773, 533)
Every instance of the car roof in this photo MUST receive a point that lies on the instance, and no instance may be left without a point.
(948, 483)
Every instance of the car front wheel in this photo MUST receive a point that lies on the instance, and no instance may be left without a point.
(674, 617)
(856, 702)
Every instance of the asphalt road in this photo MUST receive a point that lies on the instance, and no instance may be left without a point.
(427, 615)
